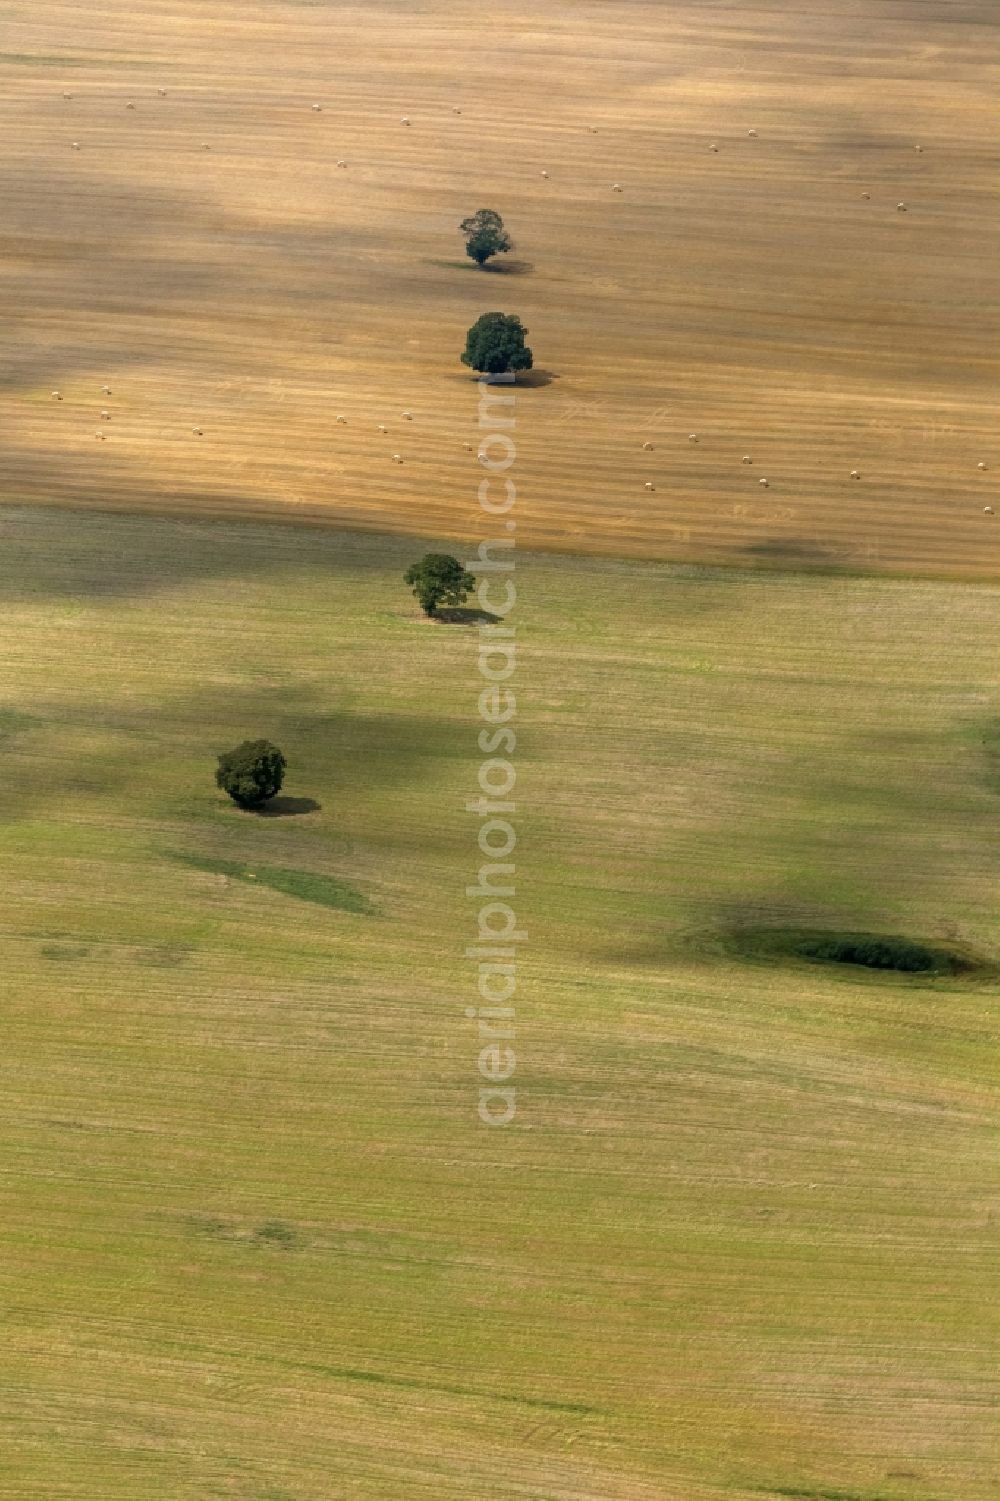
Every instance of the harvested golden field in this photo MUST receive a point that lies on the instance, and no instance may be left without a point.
(751, 295)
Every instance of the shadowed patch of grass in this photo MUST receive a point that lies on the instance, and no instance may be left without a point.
(13, 722)
(378, 1378)
(41, 59)
(795, 1494)
(56, 60)
(64, 952)
(270, 1233)
(991, 745)
(275, 1233)
(306, 885)
(164, 955)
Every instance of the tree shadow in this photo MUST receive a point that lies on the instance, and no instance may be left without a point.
(526, 379)
(510, 268)
(797, 551)
(288, 807)
(530, 379)
(98, 554)
(465, 615)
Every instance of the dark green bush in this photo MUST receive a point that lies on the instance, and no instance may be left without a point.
(495, 344)
(485, 236)
(885, 952)
(251, 773)
(874, 952)
(439, 579)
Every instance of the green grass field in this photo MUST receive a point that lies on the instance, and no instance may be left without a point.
(255, 1243)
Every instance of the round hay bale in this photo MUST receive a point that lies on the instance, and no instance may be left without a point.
(407, 416)
(692, 437)
(341, 417)
(105, 416)
(763, 484)
(67, 96)
(341, 164)
(382, 427)
(130, 105)
(455, 110)
(106, 390)
(162, 93)
(751, 134)
(855, 474)
(76, 145)
(988, 510)
(713, 147)
(901, 208)
(866, 195)
(616, 187)
(650, 485)
(197, 431)
(397, 458)
(647, 447)
(918, 148)
(545, 174)
(317, 108)
(980, 466)
(747, 459)
(205, 146)
(57, 395)
(405, 120)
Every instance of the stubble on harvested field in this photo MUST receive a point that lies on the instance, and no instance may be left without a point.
(750, 295)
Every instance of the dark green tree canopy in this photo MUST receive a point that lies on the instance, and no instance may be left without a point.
(251, 773)
(485, 235)
(439, 579)
(495, 344)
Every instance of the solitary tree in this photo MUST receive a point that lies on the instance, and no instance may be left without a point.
(251, 773)
(439, 579)
(495, 344)
(485, 236)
